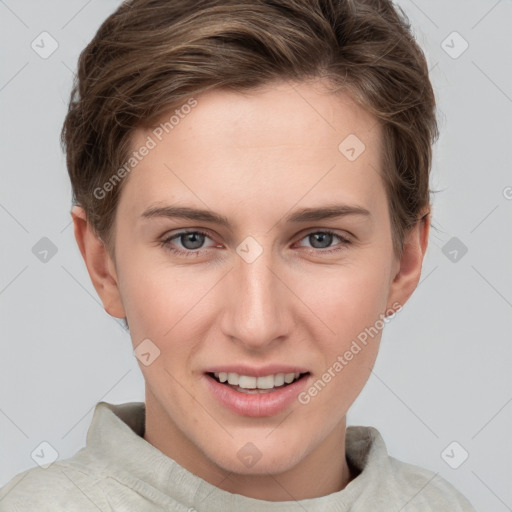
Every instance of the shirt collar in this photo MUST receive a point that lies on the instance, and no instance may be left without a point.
(116, 434)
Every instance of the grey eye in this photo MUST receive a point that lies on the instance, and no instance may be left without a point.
(320, 240)
(192, 241)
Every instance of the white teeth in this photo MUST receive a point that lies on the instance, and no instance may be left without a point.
(263, 382)
(247, 382)
(250, 382)
(289, 377)
(279, 379)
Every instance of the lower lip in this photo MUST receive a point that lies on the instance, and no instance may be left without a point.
(256, 404)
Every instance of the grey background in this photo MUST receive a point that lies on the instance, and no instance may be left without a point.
(443, 373)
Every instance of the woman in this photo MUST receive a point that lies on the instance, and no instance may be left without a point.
(251, 187)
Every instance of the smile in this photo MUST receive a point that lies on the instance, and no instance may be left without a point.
(251, 384)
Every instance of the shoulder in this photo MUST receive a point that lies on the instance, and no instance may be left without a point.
(61, 486)
(80, 482)
(422, 489)
(391, 481)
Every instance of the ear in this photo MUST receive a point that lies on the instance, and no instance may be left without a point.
(99, 264)
(408, 269)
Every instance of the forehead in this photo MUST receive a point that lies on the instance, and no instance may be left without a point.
(286, 113)
(275, 143)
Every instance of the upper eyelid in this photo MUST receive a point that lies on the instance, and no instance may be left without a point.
(343, 234)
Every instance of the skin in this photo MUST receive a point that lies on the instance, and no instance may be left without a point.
(255, 158)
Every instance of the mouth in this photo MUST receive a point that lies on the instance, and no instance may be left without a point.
(257, 385)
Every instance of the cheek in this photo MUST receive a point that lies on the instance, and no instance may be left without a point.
(171, 307)
(349, 304)
(153, 294)
(346, 300)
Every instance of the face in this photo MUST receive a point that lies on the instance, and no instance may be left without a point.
(281, 286)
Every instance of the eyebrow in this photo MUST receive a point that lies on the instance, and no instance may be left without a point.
(302, 215)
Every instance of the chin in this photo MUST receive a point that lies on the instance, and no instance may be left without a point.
(249, 460)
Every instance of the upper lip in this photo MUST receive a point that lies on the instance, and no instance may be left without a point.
(253, 371)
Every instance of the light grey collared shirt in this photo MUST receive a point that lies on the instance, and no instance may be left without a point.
(119, 471)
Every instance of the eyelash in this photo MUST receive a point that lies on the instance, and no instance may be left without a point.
(166, 243)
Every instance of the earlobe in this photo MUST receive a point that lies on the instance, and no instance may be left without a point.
(99, 264)
(406, 279)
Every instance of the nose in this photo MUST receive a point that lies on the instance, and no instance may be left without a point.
(258, 303)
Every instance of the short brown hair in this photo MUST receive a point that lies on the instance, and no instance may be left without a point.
(149, 56)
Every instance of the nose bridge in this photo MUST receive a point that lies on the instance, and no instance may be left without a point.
(257, 299)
